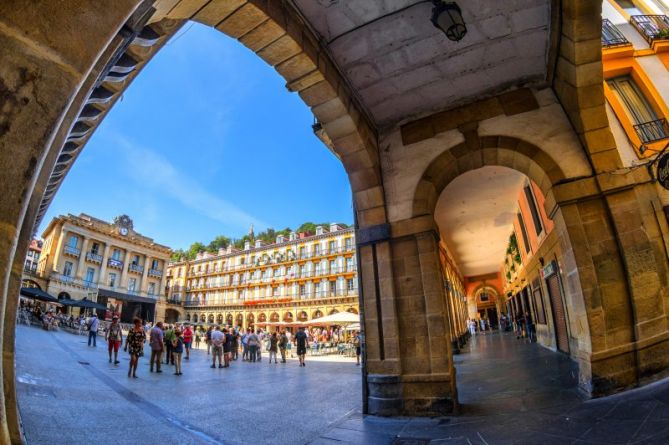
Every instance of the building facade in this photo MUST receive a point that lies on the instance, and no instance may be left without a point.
(298, 278)
(32, 257)
(110, 263)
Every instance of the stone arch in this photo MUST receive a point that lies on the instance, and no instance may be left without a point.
(30, 283)
(302, 316)
(503, 151)
(219, 318)
(352, 310)
(229, 319)
(64, 296)
(333, 311)
(195, 319)
(262, 317)
(317, 314)
(210, 318)
(274, 317)
(288, 317)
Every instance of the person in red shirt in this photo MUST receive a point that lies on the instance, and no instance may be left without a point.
(188, 340)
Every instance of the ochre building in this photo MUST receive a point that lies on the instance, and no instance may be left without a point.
(298, 278)
(108, 263)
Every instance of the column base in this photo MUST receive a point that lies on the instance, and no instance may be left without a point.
(424, 395)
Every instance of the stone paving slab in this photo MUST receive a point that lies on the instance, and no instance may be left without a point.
(512, 392)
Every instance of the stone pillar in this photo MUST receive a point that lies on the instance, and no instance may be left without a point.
(103, 266)
(59, 251)
(145, 276)
(401, 274)
(82, 258)
(163, 279)
(124, 271)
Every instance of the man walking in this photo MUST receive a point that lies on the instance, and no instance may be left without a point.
(283, 342)
(245, 345)
(227, 345)
(253, 342)
(217, 340)
(93, 324)
(156, 341)
(114, 337)
(302, 343)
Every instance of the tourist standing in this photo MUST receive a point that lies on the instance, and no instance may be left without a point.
(177, 350)
(283, 343)
(289, 344)
(234, 347)
(134, 344)
(168, 340)
(273, 347)
(114, 337)
(245, 345)
(217, 340)
(93, 324)
(529, 327)
(227, 347)
(156, 341)
(208, 338)
(187, 340)
(253, 342)
(302, 343)
(358, 349)
(261, 343)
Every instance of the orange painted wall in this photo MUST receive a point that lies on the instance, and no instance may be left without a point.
(534, 239)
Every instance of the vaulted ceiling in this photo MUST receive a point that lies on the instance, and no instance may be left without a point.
(403, 67)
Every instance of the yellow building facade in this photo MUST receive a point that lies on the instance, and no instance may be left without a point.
(110, 263)
(298, 278)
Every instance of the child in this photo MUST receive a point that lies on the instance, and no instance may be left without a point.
(177, 351)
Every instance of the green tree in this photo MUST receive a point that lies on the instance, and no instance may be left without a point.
(220, 242)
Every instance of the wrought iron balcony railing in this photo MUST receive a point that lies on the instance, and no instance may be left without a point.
(135, 268)
(115, 263)
(94, 257)
(651, 27)
(611, 35)
(72, 251)
(652, 131)
(156, 272)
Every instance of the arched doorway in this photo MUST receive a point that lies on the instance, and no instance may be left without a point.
(240, 320)
(171, 316)
(195, 318)
(302, 316)
(30, 283)
(64, 296)
(219, 318)
(352, 310)
(332, 311)
(274, 317)
(250, 321)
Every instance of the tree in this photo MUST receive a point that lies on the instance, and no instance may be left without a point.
(220, 242)
(194, 249)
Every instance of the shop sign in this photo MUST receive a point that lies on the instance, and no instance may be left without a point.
(548, 270)
(663, 170)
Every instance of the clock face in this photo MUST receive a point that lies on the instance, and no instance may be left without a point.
(123, 231)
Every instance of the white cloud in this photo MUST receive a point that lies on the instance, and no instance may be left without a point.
(158, 173)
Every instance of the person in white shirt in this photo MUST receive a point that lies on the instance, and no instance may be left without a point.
(93, 324)
(217, 339)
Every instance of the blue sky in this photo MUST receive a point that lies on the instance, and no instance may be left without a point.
(206, 141)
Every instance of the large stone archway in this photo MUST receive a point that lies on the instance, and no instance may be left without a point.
(65, 64)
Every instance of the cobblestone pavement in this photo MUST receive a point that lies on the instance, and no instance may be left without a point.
(511, 392)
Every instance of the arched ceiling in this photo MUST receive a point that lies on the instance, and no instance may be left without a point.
(403, 67)
(475, 216)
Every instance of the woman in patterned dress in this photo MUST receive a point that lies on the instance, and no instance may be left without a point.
(134, 344)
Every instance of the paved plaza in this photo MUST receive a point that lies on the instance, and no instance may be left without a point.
(512, 392)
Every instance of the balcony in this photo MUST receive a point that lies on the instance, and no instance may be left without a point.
(652, 131)
(136, 268)
(94, 257)
(651, 27)
(611, 35)
(174, 301)
(114, 263)
(155, 273)
(72, 251)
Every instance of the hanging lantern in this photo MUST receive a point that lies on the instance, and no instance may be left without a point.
(447, 16)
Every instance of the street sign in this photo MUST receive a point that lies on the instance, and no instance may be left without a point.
(663, 170)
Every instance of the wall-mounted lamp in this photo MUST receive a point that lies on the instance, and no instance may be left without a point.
(447, 16)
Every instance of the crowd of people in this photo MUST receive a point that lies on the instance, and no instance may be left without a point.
(521, 324)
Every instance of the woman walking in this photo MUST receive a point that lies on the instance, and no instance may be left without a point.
(177, 350)
(273, 347)
(134, 344)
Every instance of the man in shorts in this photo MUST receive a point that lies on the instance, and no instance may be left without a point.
(302, 343)
(217, 340)
(188, 340)
(227, 347)
(114, 337)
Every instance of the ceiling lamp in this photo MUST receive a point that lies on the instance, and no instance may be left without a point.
(447, 16)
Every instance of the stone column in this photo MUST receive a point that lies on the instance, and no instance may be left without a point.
(163, 279)
(145, 275)
(124, 272)
(103, 267)
(59, 250)
(82, 258)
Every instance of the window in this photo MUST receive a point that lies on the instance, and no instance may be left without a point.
(333, 246)
(154, 264)
(95, 248)
(523, 232)
(112, 280)
(73, 241)
(116, 255)
(90, 275)
(333, 287)
(67, 269)
(348, 243)
(30, 254)
(317, 288)
(135, 260)
(349, 264)
(317, 249)
(646, 123)
(536, 219)
(303, 252)
(152, 288)
(333, 266)
(303, 290)
(350, 285)
(132, 284)
(629, 7)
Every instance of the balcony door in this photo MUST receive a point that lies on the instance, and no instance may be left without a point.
(638, 109)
